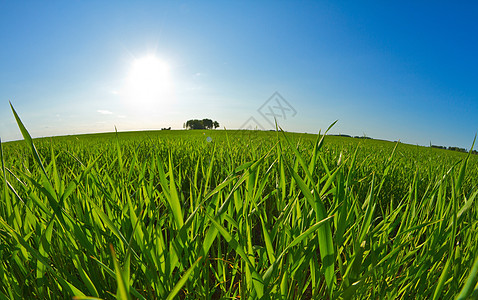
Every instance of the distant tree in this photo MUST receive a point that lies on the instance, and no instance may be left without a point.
(201, 124)
(457, 149)
(341, 134)
(194, 124)
(207, 123)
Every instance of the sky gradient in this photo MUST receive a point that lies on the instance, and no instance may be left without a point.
(406, 71)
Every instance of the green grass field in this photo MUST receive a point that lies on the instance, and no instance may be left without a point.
(272, 215)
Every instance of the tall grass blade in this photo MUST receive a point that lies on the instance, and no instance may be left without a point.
(183, 280)
(470, 282)
(123, 288)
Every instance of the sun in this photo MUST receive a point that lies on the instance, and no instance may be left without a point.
(149, 81)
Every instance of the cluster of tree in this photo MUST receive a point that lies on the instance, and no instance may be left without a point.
(356, 137)
(201, 124)
(164, 128)
(457, 149)
(341, 134)
(454, 149)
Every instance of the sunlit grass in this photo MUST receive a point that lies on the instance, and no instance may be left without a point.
(249, 215)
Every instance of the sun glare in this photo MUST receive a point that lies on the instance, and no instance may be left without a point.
(149, 81)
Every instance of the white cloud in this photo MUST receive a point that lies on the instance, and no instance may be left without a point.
(104, 112)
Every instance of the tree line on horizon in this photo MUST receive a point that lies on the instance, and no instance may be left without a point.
(454, 149)
(459, 149)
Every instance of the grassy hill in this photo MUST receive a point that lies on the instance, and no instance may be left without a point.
(235, 214)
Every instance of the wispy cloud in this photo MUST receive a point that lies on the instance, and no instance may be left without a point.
(104, 112)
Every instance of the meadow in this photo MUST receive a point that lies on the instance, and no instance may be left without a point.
(244, 214)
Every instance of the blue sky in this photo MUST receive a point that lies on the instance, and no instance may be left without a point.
(405, 71)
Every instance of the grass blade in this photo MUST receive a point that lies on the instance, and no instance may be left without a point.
(183, 280)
